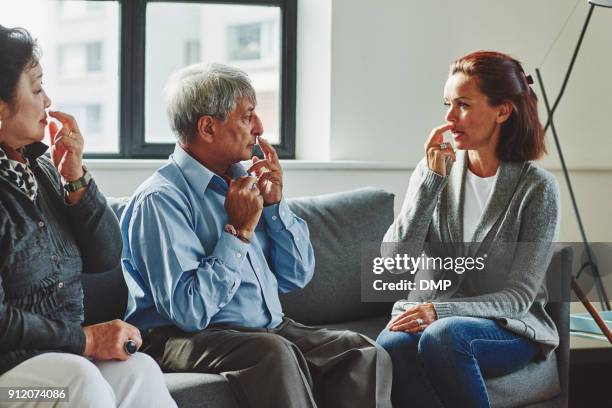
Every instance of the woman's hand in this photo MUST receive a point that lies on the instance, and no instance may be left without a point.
(66, 146)
(435, 154)
(409, 320)
(105, 341)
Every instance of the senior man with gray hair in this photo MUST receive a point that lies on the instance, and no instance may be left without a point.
(207, 248)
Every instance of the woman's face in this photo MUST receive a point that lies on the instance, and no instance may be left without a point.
(476, 124)
(24, 122)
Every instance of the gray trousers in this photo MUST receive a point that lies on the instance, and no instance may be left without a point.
(303, 367)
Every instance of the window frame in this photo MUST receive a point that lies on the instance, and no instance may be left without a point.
(132, 143)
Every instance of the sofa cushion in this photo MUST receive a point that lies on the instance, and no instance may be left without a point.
(535, 382)
(339, 224)
(118, 204)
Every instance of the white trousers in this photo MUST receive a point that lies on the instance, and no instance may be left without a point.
(137, 382)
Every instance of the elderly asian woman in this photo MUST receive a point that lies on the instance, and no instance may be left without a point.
(54, 225)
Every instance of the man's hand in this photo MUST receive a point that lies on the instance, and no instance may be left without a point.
(408, 321)
(270, 182)
(244, 205)
(105, 341)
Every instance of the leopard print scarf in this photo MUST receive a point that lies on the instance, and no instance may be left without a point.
(18, 174)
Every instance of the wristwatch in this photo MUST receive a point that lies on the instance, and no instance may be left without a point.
(80, 183)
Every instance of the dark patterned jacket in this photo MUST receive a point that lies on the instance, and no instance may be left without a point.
(44, 247)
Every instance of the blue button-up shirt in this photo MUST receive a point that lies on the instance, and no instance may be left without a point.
(180, 266)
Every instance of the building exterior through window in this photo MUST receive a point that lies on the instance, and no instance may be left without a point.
(81, 58)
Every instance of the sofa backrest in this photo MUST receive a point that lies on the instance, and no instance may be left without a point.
(559, 282)
(338, 223)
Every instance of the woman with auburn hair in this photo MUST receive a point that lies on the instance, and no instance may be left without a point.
(485, 197)
(54, 225)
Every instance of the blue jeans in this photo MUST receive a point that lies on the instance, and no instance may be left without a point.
(445, 364)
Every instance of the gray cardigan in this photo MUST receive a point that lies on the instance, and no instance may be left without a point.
(522, 213)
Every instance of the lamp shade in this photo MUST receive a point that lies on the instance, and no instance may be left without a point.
(603, 3)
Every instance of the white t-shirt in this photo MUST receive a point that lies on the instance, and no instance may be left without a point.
(477, 194)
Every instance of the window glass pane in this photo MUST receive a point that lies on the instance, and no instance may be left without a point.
(244, 41)
(94, 56)
(244, 36)
(80, 59)
(192, 51)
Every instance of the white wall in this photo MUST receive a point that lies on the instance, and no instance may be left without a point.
(390, 60)
(313, 80)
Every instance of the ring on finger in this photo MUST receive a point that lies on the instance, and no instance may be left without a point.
(443, 146)
(130, 347)
(419, 322)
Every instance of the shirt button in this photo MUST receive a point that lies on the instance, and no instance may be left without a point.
(238, 254)
(274, 217)
(41, 224)
(60, 285)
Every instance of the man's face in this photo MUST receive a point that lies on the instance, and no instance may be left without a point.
(236, 136)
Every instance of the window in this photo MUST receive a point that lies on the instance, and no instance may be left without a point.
(78, 60)
(91, 122)
(93, 115)
(192, 52)
(93, 57)
(79, 9)
(243, 35)
(107, 61)
(244, 42)
(80, 44)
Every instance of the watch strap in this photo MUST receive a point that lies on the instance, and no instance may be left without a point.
(78, 184)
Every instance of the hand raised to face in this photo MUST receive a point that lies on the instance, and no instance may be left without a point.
(437, 152)
(244, 205)
(269, 173)
(66, 146)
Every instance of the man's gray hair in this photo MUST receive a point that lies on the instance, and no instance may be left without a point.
(204, 89)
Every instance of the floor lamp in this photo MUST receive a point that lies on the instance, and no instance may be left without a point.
(601, 292)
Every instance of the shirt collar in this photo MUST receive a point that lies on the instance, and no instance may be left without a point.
(199, 176)
(34, 150)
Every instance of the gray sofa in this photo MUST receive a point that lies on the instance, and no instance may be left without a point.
(339, 224)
